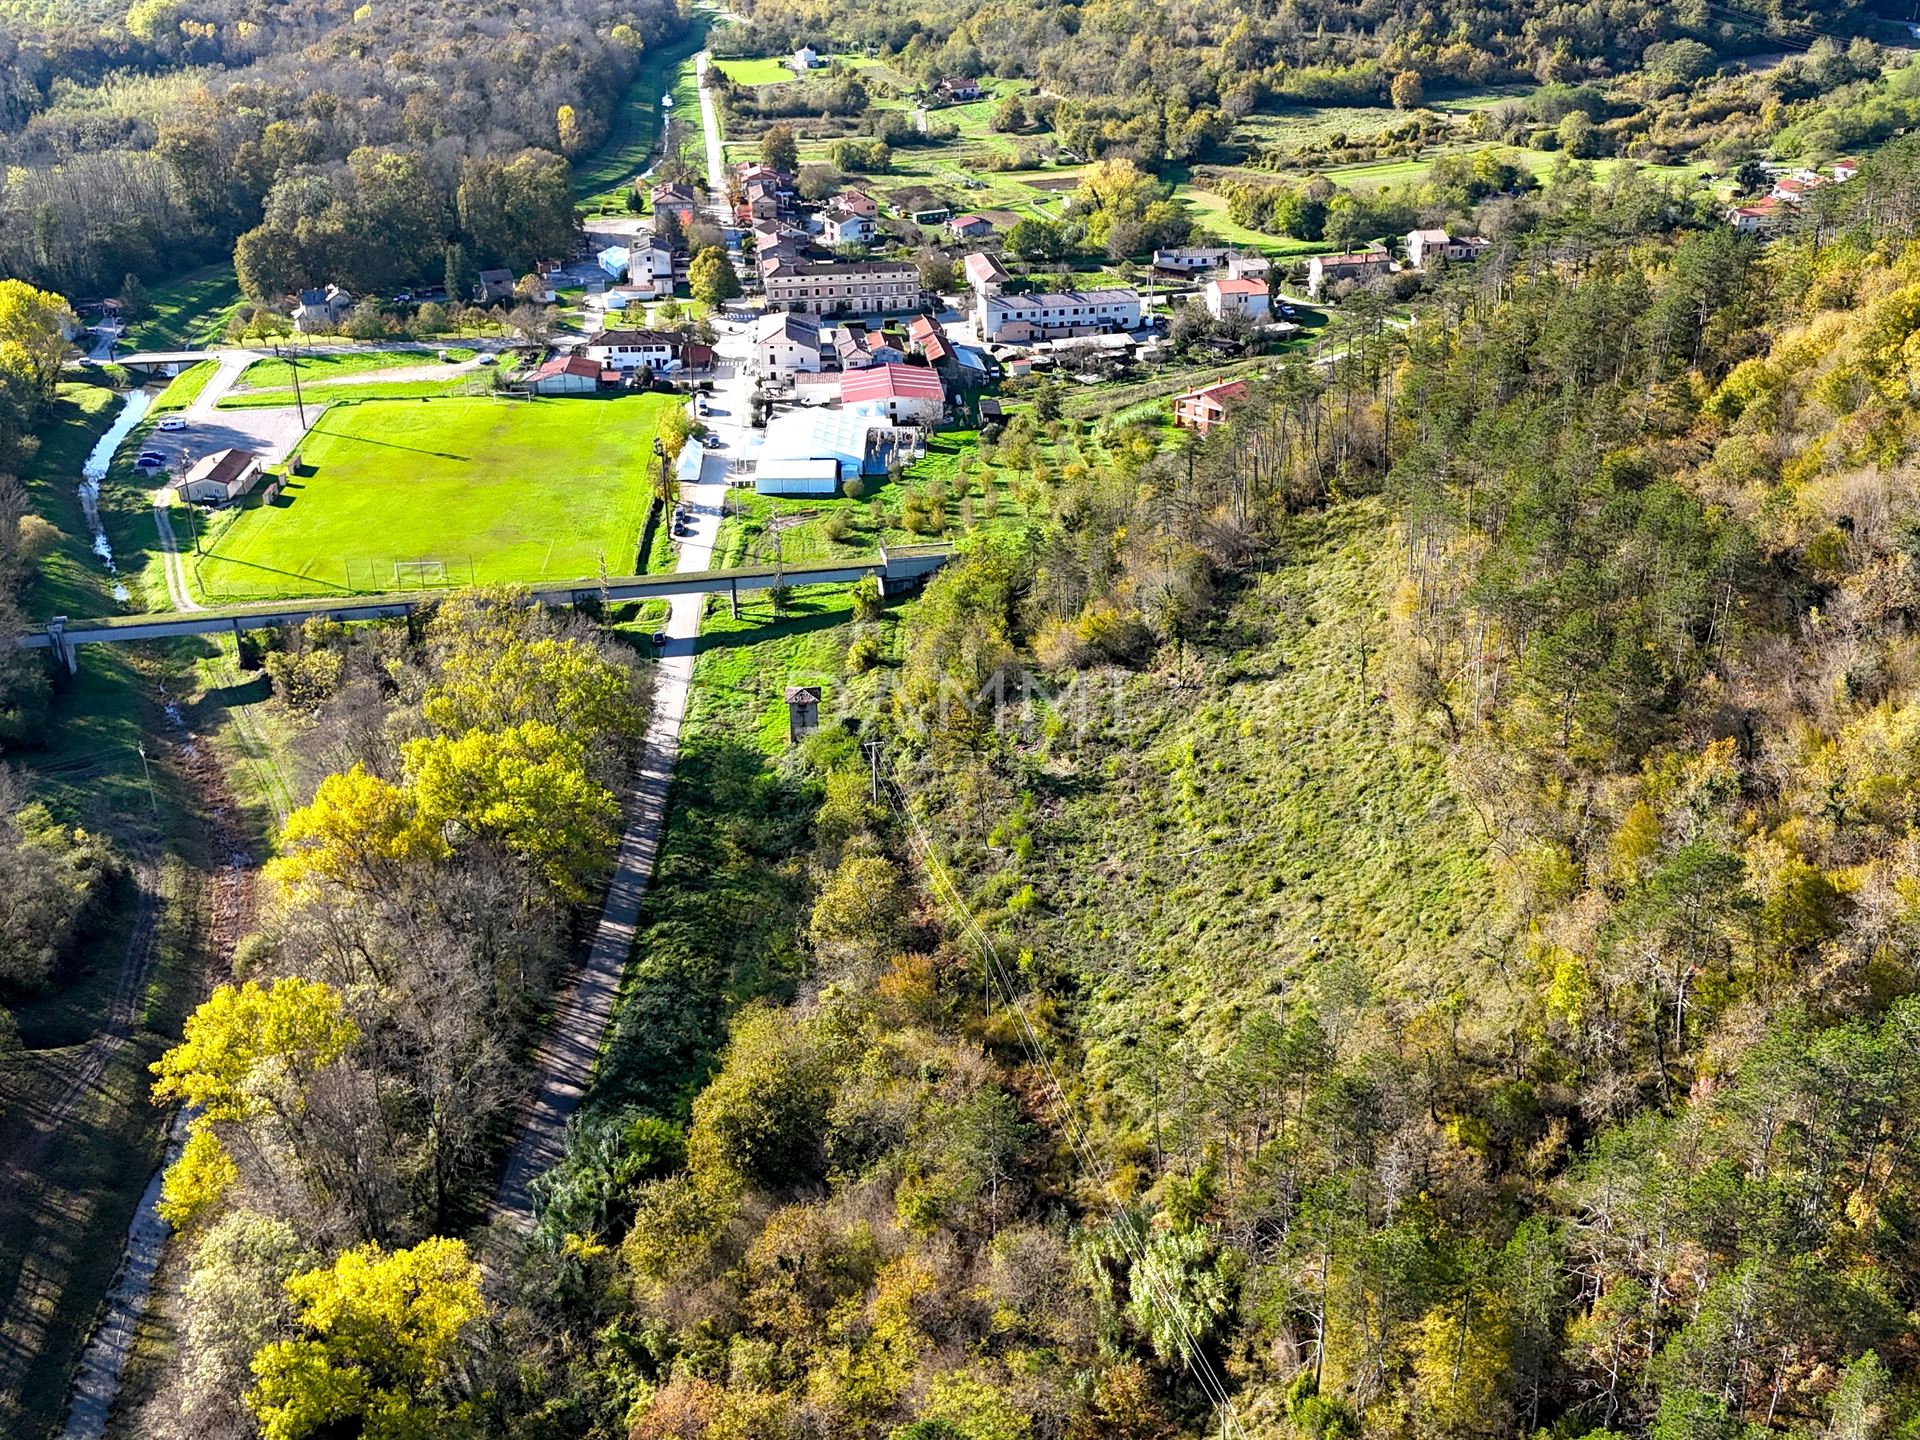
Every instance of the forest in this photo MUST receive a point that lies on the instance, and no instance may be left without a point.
(342, 138)
(1394, 919)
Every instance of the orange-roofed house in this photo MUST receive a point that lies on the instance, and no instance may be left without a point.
(1237, 297)
(1206, 407)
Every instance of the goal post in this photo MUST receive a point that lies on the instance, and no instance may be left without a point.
(419, 574)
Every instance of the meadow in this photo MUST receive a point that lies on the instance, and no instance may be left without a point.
(189, 311)
(636, 126)
(496, 491)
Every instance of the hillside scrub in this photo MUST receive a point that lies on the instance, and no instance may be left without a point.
(1397, 913)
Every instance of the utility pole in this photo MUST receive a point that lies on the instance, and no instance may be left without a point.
(871, 749)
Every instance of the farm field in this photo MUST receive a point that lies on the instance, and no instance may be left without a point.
(494, 491)
(755, 72)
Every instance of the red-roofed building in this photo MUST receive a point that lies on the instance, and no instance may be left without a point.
(1206, 407)
(566, 375)
(931, 341)
(1751, 219)
(984, 275)
(1237, 297)
(909, 394)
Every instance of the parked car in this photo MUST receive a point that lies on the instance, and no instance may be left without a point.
(659, 639)
(486, 359)
(1289, 312)
(150, 460)
(712, 442)
(172, 422)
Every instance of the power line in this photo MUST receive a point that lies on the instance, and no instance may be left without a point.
(1198, 1365)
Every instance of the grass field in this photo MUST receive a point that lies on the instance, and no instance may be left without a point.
(185, 387)
(497, 490)
(188, 312)
(318, 369)
(755, 72)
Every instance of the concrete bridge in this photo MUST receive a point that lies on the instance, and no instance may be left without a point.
(898, 568)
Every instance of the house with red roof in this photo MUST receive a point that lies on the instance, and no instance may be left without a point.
(566, 375)
(1237, 297)
(1206, 407)
(906, 394)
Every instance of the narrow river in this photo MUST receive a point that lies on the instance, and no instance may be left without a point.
(94, 473)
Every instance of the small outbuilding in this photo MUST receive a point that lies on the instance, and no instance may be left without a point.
(223, 476)
(803, 711)
(566, 375)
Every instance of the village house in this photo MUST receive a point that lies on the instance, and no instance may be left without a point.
(929, 340)
(1358, 265)
(985, 276)
(858, 348)
(860, 287)
(1752, 219)
(1224, 297)
(679, 199)
(1206, 407)
(907, 394)
(320, 309)
(1020, 318)
(843, 227)
(223, 476)
(1188, 260)
(784, 345)
(804, 59)
(960, 90)
(493, 286)
(969, 227)
(630, 349)
(858, 202)
(1424, 246)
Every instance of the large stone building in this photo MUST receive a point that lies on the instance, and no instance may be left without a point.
(863, 287)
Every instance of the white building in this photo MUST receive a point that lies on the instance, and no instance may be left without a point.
(1190, 259)
(843, 227)
(803, 60)
(1018, 318)
(630, 349)
(784, 345)
(320, 309)
(985, 275)
(1225, 297)
(222, 476)
(858, 439)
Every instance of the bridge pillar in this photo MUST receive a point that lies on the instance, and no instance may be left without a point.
(61, 647)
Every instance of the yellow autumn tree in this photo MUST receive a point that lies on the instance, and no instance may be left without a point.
(384, 1339)
(569, 126)
(522, 789)
(33, 334)
(1463, 1365)
(360, 832)
(245, 1052)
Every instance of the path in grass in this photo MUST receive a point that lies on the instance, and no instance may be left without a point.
(488, 491)
(636, 125)
(567, 1057)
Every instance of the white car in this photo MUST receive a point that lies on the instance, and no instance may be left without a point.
(172, 422)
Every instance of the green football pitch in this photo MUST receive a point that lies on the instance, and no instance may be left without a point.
(398, 495)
